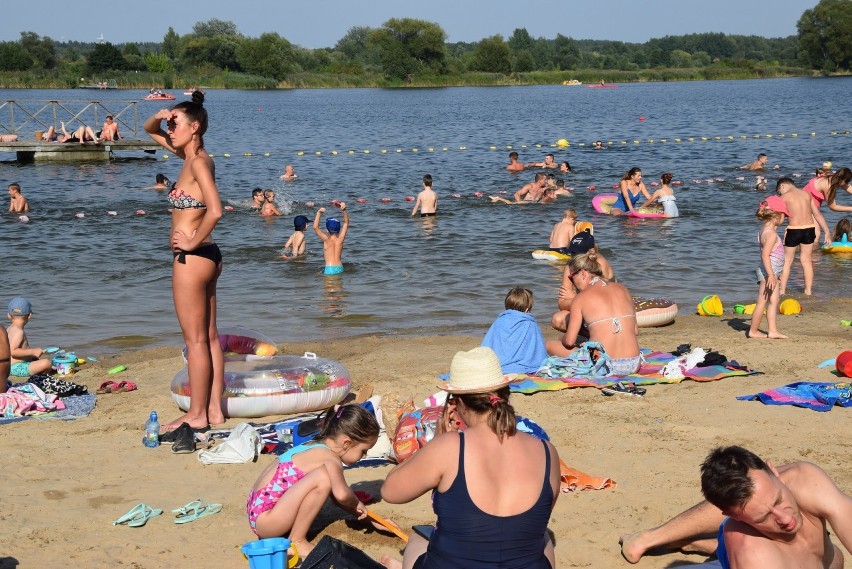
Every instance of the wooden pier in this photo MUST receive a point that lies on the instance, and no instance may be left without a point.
(29, 119)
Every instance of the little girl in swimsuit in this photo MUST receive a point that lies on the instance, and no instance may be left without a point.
(665, 195)
(772, 257)
(290, 492)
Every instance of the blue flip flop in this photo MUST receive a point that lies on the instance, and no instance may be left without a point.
(138, 516)
(195, 510)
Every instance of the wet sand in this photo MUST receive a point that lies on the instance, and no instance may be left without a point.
(67, 481)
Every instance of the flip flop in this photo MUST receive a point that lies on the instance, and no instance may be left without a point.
(623, 389)
(168, 437)
(123, 386)
(106, 387)
(138, 516)
(195, 510)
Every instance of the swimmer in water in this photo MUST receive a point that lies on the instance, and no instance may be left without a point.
(332, 242)
(269, 204)
(295, 246)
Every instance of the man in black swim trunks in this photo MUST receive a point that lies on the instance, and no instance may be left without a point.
(802, 212)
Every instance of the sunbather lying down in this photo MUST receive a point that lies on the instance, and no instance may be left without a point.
(81, 135)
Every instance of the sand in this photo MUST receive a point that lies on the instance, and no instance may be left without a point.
(66, 481)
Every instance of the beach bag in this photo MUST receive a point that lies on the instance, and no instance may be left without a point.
(589, 360)
(331, 553)
(415, 428)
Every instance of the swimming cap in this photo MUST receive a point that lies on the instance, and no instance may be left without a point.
(332, 225)
(300, 222)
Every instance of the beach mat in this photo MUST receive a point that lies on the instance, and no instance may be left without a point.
(807, 394)
(649, 374)
(76, 406)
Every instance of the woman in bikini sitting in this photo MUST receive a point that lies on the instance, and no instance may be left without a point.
(197, 261)
(606, 309)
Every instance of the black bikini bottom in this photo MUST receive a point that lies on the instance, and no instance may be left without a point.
(210, 251)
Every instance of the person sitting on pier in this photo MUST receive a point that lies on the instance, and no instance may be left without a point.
(110, 130)
(8, 137)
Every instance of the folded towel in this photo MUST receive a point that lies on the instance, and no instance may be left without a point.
(572, 479)
(517, 340)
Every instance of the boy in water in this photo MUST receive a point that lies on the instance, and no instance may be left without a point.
(332, 243)
(514, 164)
(296, 243)
(759, 164)
(427, 199)
(26, 361)
(17, 202)
(563, 232)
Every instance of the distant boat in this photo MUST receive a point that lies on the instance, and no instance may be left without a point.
(156, 95)
(100, 85)
(572, 82)
(602, 86)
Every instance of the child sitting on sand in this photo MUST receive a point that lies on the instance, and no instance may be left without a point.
(332, 243)
(772, 257)
(843, 231)
(269, 204)
(290, 492)
(26, 361)
(515, 335)
(296, 243)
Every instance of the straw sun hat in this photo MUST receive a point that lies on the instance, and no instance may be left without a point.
(476, 371)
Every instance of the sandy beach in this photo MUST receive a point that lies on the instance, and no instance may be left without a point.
(67, 480)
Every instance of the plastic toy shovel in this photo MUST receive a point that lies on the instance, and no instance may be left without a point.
(392, 527)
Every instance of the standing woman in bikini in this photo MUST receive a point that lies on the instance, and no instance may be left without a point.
(632, 189)
(606, 309)
(197, 261)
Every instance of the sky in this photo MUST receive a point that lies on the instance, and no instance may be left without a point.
(321, 23)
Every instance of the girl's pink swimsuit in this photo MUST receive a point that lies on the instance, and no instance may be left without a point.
(810, 187)
(285, 476)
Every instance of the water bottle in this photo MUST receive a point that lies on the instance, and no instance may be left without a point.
(152, 432)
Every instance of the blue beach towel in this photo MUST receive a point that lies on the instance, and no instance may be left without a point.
(517, 340)
(808, 394)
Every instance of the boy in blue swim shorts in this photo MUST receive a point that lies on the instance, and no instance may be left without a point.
(332, 242)
(26, 361)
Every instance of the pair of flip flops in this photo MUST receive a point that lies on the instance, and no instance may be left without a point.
(116, 387)
(621, 388)
(182, 439)
(139, 514)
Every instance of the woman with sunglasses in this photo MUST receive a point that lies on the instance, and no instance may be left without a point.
(606, 310)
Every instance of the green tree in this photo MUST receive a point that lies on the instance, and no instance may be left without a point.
(106, 56)
(567, 54)
(158, 63)
(129, 49)
(41, 50)
(523, 62)
(270, 55)
(215, 27)
(520, 41)
(219, 51)
(13, 57)
(171, 43)
(492, 55)
(824, 33)
(409, 46)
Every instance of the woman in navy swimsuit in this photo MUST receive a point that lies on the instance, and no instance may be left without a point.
(493, 487)
(197, 263)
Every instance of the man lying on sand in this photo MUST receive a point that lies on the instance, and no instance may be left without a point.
(763, 516)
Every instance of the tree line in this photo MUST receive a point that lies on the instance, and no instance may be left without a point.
(404, 49)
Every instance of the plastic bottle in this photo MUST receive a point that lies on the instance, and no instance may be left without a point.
(152, 431)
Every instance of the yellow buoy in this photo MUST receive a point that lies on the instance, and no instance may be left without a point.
(562, 143)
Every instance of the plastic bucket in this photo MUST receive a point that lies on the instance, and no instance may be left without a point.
(710, 305)
(270, 553)
(39, 134)
(65, 364)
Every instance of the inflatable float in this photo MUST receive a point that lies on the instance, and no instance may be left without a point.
(274, 385)
(239, 344)
(842, 246)
(603, 204)
(652, 312)
(158, 97)
(554, 256)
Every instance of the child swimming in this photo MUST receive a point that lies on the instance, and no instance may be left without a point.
(295, 246)
(332, 243)
(290, 492)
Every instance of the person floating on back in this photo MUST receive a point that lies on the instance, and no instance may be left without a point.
(427, 199)
(332, 242)
(295, 246)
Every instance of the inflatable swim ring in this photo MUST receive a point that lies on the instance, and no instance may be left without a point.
(275, 385)
(651, 312)
(239, 344)
(547, 255)
(842, 246)
(603, 204)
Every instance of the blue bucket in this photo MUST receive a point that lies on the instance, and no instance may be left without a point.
(270, 553)
(64, 363)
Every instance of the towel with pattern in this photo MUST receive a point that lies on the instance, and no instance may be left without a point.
(650, 373)
(808, 394)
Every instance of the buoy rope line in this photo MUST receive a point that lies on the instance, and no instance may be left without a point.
(560, 144)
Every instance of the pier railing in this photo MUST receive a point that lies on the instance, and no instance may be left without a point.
(25, 116)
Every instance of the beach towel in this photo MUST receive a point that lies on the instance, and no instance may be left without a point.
(572, 480)
(517, 340)
(807, 394)
(76, 406)
(578, 363)
(649, 374)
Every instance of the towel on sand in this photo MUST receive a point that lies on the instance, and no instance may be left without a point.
(572, 480)
(517, 340)
(808, 394)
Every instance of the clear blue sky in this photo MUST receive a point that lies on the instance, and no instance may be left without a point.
(321, 23)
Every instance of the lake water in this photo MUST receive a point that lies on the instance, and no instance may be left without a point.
(103, 283)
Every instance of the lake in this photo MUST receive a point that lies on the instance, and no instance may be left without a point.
(102, 283)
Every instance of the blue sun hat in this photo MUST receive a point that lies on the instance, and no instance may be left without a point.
(300, 222)
(333, 225)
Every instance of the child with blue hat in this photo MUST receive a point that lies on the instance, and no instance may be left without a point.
(295, 246)
(332, 242)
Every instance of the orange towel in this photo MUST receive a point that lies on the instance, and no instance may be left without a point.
(573, 480)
